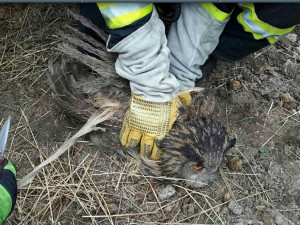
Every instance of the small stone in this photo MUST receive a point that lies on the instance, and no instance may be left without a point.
(235, 164)
(4, 87)
(235, 207)
(226, 196)
(246, 192)
(26, 46)
(64, 26)
(287, 98)
(4, 13)
(165, 192)
(268, 219)
(261, 208)
(234, 84)
(280, 220)
(191, 208)
(259, 70)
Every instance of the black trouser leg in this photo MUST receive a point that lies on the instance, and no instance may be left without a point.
(235, 43)
(92, 12)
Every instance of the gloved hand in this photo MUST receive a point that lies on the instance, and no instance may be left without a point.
(146, 122)
(8, 189)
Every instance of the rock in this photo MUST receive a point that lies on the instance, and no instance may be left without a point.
(235, 164)
(165, 192)
(226, 196)
(258, 70)
(268, 219)
(235, 207)
(234, 84)
(280, 220)
(287, 98)
(4, 13)
(288, 101)
(292, 70)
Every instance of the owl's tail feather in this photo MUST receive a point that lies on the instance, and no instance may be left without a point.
(88, 80)
(86, 49)
(62, 82)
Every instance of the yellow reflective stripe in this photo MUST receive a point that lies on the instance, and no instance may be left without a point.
(265, 26)
(240, 19)
(259, 29)
(272, 40)
(128, 18)
(215, 12)
(104, 5)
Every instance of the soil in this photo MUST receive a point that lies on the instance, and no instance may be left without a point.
(257, 99)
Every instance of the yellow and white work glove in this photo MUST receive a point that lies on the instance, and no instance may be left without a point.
(146, 122)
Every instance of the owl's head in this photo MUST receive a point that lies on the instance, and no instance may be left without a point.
(193, 151)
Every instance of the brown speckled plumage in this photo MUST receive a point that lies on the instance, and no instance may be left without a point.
(199, 142)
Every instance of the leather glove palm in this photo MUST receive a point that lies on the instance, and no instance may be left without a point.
(8, 189)
(146, 122)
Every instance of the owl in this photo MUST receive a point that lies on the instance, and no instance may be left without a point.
(191, 152)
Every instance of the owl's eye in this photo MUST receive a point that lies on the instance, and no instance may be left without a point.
(198, 167)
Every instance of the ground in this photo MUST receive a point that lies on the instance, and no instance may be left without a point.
(257, 99)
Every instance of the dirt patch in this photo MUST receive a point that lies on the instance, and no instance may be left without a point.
(98, 185)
